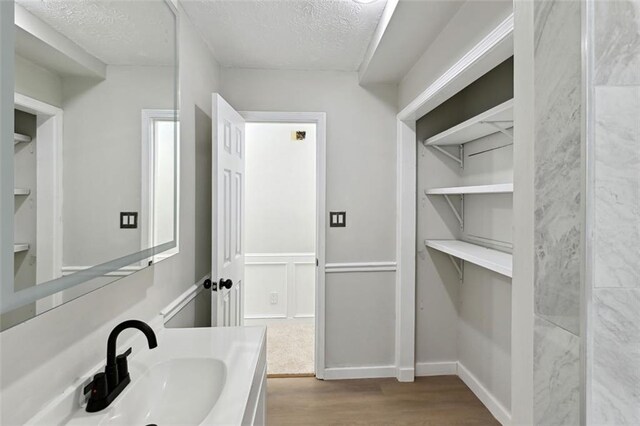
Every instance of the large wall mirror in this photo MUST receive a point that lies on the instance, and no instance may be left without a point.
(95, 150)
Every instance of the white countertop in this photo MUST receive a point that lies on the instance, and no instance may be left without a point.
(240, 349)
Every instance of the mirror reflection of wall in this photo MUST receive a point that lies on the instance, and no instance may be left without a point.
(87, 75)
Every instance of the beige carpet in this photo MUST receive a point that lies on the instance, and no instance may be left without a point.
(290, 348)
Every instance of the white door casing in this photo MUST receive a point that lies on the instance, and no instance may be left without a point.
(228, 214)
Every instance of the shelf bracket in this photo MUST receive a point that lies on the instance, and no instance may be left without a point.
(459, 214)
(459, 160)
(459, 267)
(503, 130)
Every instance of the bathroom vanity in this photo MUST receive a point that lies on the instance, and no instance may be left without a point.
(196, 376)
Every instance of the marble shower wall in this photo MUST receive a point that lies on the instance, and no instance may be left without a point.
(615, 319)
(557, 238)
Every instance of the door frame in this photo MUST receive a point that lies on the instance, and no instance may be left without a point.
(147, 194)
(320, 120)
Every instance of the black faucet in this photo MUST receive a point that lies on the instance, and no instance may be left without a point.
(106, 386)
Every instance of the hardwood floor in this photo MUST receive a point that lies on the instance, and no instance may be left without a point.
(441, 400)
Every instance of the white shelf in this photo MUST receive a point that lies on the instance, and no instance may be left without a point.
(493, 260)
(502, 188)
(21, 191)
(20, 247)
(476, 127)
(17, 138)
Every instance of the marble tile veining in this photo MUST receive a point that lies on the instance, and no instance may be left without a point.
(617, 189)
(556, 379)
(617, 41)
(557, 236)
(616, 357)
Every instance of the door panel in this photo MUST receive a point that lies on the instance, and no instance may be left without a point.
(228, 213)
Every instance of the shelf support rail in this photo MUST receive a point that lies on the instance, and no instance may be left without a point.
(503, 130)
(459, 267)
(459, 214)
(459, 160)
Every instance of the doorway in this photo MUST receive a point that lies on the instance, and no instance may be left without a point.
(284, 238)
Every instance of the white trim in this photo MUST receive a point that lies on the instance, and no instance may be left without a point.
(405, 294)
(488, 53)
(280, 255)
(122, 272)
(501, 36)
(320, 119)
(148, 119)
(255, 317)
(445, 368)
(334, 268)
(373, 372)
(493, 405)
(181, 301)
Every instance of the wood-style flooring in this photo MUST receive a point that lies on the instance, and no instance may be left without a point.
(440, 400)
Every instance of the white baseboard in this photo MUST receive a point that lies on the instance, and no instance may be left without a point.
(493, 405)
(406, 374)
(447, 368)
(359, 372)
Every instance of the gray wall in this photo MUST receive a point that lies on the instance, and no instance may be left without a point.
(360, 180)
(70, 339)
(36, 82)
(102, 159)
(196, 313)
(613, 355)
(469, 322)
(558, 211)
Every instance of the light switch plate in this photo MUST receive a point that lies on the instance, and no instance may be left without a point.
(337, 219)
(128, 220)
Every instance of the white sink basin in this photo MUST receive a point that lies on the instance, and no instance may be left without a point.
(196, 376)
(180, 392)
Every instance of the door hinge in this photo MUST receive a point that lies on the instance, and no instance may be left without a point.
(317, 262)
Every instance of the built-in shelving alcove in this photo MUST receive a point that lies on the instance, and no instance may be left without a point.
(464, 233)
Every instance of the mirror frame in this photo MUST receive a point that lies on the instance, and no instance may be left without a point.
(10, 299)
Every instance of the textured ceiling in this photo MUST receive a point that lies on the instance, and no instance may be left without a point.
(286, 34)
(118, 32)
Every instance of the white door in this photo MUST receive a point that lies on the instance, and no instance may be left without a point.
(228, 217)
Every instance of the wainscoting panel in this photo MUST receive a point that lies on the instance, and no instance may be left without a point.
(304, 289)
(279, 285)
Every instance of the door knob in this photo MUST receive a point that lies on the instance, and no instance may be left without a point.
(225, 284)
(207, 284)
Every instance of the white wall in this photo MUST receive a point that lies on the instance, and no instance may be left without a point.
(472, 23)
(43, 356)
(280, 191)
(280, 221)
(360, 180)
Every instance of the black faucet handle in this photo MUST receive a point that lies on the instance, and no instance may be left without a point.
(123, 365)
(124, 354)
(97, 389)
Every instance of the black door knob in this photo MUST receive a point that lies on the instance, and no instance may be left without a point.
(225, 283)
(207, 284)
